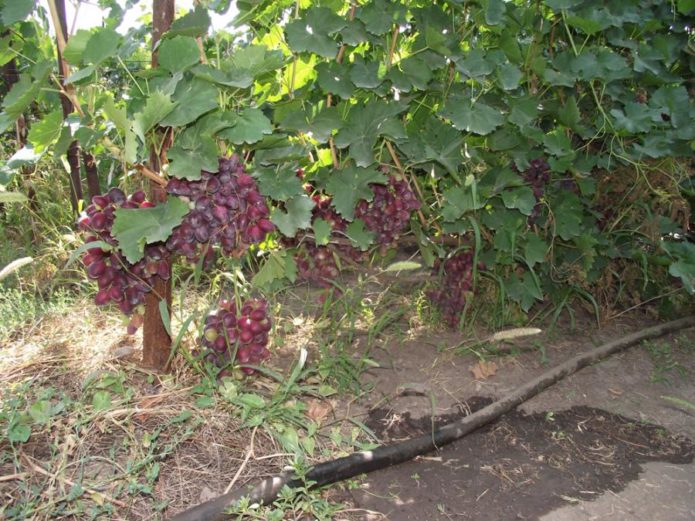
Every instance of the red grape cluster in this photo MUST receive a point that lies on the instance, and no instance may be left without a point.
(316, 264)
(119, 281)
(538, 176)
(388, 213)
(226, 209)
(455, 286)
(237, 335)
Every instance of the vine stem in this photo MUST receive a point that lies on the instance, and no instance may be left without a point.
(401, 170)
(152, 176)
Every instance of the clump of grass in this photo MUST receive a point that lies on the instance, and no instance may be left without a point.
(665, 363)
(18, 307)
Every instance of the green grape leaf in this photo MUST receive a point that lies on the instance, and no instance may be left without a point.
(354, 33)
(194, 97)
(436, 141)
(524, 290)
(359, 236)
(76, 45)
(494, 11)
(322, 231)
(314, 32)
(249, 126)
(334, 78)
(460, 200)
(558, 144)
(279, 184)
(509, 76)
(157, 106)
(634, 118)
(255, 60)
(102, 45)
(475, 64)
(21, 95)
(350, 185)
(523, 111)
(194, 23)
(233, 78)
(365, 75)
(15, 11)
(521, 198)
(278, 265)
(686, 6)
(134, 228)
(568, 216)
(46, 131)
(178, 53)
(363, 127)
(477, 117)
(295, 216)
(187, 162)
(534, 249)
(380, 15)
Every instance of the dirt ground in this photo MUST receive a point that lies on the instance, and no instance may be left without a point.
(606, 443)
(614, 441)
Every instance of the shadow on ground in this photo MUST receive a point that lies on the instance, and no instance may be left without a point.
(520, 467)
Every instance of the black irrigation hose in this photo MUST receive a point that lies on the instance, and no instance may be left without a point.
(387, 455)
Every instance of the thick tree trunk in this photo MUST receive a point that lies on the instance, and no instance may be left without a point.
(156, 342)
(63, 72)
(90, 168)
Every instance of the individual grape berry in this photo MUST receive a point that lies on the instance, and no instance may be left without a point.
(240, 336)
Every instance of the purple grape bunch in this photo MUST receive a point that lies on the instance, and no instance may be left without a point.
(119, 281)
(239, 336)
(454, 287)
(226, 209)
(388, 213)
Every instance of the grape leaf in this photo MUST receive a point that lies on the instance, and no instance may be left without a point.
(234, 78)
(280, 184)
(134, 228)
(278, 265)
(194, 97)
(314, 30)
(186, 162)
(101, 45)
(295, 216)
(354, 33)
(21, 95)
(534, 249)
(322, 231)
(524, 290)
(156, 107)
(351, 184)
(15, 11)
(76, 45)
(365, 75)
(359, 235)
(194, 23)
(178, 53)
(46, 131)
(460, 200)
(521, 198)
(509, 76)
(365, 124)
(249, 126)
(334, 78)
(476, 117)
(380, 15)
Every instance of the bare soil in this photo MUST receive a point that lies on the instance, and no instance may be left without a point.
(585, 441)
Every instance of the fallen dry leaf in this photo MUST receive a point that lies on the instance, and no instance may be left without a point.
(482, 370)
(317, 410)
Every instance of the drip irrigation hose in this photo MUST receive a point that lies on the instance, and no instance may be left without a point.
(387, 455)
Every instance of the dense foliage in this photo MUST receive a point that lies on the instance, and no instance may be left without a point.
(547, 139)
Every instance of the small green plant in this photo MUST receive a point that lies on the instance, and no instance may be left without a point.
(665, 364)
